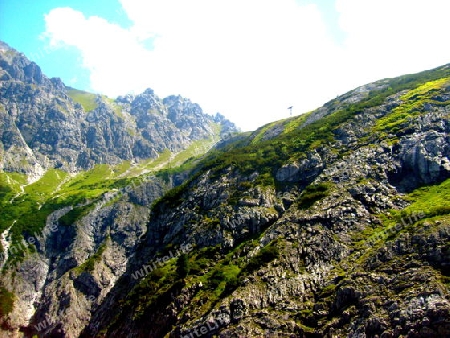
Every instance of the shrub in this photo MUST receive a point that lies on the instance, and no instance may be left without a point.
(224, 278)
(262, 258)
(312, 194)
(6, 302)
(182, 266)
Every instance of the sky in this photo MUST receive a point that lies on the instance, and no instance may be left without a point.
(249, 59)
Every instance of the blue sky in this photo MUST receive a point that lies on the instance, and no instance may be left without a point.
(22, 24)
(249, 60)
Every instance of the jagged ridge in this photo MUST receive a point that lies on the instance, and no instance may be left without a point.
(46, 125)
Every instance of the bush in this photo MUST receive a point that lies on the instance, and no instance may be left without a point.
(73, 215)
(312, 194)
(196, 267)
(262, 258)
(182, 266)
(6, 302)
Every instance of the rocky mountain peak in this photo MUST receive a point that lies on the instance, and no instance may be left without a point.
(47, 125)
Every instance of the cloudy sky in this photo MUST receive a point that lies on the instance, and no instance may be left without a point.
(247, 59)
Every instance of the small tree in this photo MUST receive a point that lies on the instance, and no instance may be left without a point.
(182, 266)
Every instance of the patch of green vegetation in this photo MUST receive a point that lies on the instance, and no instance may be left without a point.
(295, 123)
(312, 194)
(171, 198)
(327, 291)
(428, 203)
(195, 149)
(225, 280)
(46, 185)
(121, 168)
(151, 164)
(265, 180)
(85, 99)
(432, 200)
(183, 267)
(261, 132)
(89, 264)
(6, 302)
(10, 184)
(114, 106)
(412, 106)
(185, 160)
(211, 222)
(91, 178)
(29, 211)
(425, 89)
(153, 291)
(75, 214)
(266, 255)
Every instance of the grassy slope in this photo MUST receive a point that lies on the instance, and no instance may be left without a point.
(89, 100)
(27, 207)
(85, 99)
(297, 139)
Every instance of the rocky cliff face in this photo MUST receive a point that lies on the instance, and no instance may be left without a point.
(331, 224)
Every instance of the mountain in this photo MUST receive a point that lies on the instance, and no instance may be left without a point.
(334, 223)
(46, 125)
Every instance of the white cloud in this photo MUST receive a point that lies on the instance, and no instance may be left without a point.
(251, 59)
(390, 38)
(110, 53)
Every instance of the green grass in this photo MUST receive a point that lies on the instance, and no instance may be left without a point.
(89, 264)
(261, 132)
(169, 163)
(195, 149)
(29, 210)
(114, 106)
(427, 203)
(46, 185)
(85, 99)
(89, 101)
(295, 123)
(412, 106)
(223, 279)
(266, 255)
(152, 291)
(433, 200)
(75, 214)
(6, 302)
(312, 194)
(10, 185)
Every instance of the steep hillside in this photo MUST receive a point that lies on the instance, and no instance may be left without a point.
(334, 223)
